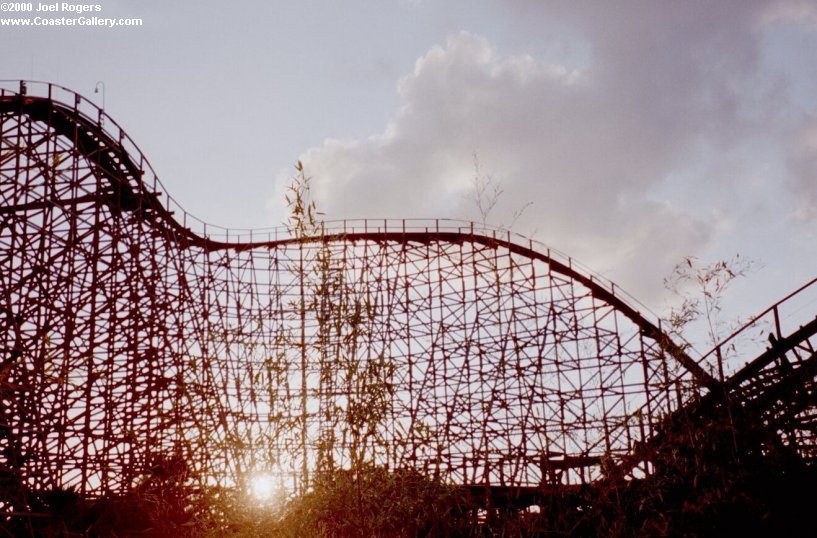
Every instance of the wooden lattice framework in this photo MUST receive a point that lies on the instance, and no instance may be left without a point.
(130, 332)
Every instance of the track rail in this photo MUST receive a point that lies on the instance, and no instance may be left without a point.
(125, 169)
(147, 332)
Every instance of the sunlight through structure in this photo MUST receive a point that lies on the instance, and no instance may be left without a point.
(263, 487)
(133, 332)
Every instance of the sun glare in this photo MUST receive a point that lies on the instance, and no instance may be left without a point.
(262, 487)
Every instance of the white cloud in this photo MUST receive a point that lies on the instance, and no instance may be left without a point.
(595, 149)
(802, 153)
(796, 11)
(540, 130)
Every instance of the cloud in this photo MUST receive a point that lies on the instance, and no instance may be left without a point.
(595, 149)
(542, 132)
(802, 161)
(791, 11)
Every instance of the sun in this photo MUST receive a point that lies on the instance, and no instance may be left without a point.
(262, 487)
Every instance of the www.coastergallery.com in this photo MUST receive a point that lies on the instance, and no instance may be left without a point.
(66, 21)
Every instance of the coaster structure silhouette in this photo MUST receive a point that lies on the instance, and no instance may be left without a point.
(135, 337)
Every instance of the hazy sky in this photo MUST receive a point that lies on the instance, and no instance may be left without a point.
(636, 132)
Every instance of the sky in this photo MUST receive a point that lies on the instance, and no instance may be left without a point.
(628, 134)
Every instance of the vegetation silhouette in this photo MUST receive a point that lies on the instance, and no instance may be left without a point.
(718, 467)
